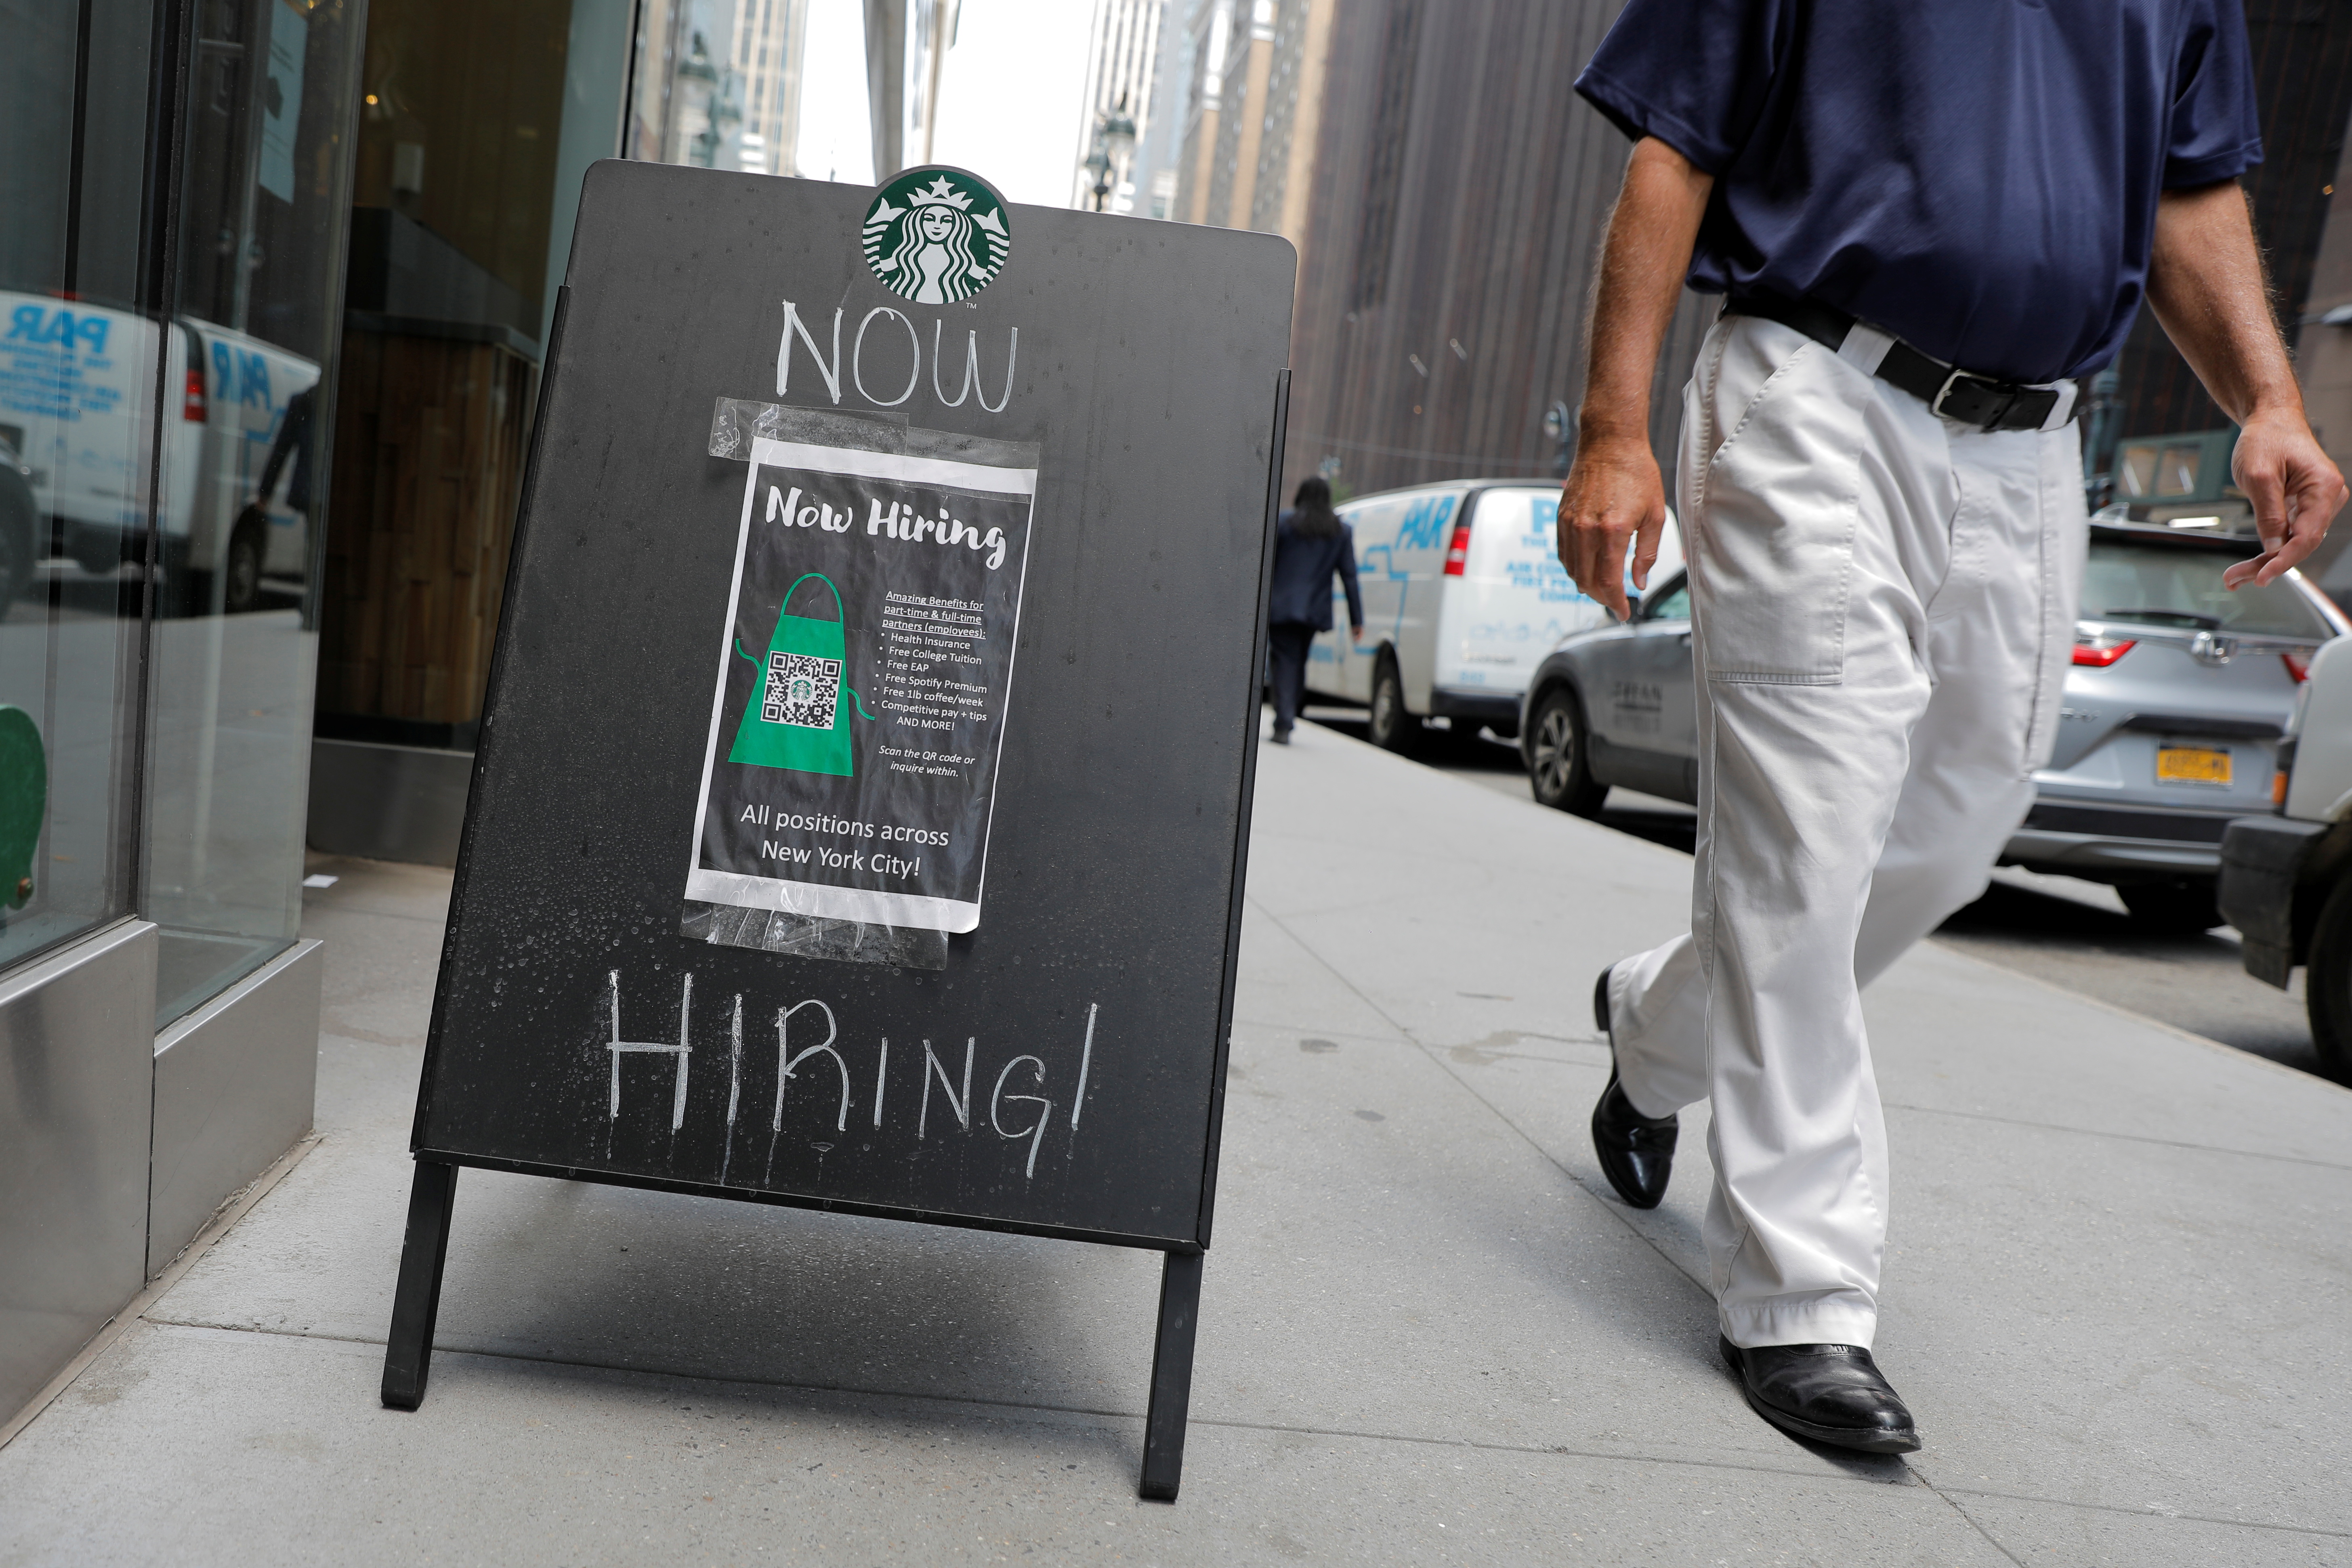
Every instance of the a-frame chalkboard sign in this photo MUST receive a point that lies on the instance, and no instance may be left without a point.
(860, 808)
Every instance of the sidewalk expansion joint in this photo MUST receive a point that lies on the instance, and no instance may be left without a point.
(2121, 1137)
(1901, 1475)
(2144, 1512)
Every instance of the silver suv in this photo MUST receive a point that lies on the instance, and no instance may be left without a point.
(2174, 706)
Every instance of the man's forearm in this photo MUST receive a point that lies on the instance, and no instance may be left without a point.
(2205, 283)
(1612, 496)
(1648, 249)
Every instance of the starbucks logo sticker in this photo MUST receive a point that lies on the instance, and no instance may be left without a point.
(936, 236)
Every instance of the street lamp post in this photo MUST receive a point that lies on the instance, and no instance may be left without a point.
(1114, 144)
(1099, 165)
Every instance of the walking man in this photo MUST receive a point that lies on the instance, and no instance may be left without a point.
(1929, 222)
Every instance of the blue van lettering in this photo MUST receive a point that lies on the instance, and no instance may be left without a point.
(253, 378)
(32, 324)
(221, 383)
(1424, 522)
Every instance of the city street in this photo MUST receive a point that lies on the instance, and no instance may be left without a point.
(2071, 933)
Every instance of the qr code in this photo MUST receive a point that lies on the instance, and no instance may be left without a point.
(801, 691)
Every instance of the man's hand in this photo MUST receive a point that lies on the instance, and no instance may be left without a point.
(2294, 489)
(1356, 634)
(1612, 496)
(2205, 283)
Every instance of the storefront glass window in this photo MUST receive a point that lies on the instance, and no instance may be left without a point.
(81, 355)
(265, 188)
(463, 202)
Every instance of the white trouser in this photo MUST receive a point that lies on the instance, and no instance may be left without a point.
(1883, 609)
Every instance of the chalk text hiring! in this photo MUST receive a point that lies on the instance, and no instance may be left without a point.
(900, 521)
(933, 1070)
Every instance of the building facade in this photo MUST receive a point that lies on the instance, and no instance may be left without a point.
(1250, 74)
(907, 45)
(771, 39)
(1121, 59)
(277, 283)
(177, 179)
(1453, 208)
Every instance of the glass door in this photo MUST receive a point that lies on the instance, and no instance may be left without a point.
(266, 127)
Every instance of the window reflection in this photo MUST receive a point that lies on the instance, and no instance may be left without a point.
(78, 364)
(233, 644)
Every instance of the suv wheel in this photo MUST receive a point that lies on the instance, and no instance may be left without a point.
(1393, 728)
(2328, 985)
(1560, 768)
(2183, 907)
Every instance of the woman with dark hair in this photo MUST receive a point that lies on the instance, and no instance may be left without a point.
(1310, 543)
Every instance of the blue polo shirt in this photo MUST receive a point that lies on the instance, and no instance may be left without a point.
(1979, 177)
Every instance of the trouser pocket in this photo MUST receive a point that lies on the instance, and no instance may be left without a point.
(1773, 510)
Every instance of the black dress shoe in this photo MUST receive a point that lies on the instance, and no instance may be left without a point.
(1829, 1393)
(1636, 1152)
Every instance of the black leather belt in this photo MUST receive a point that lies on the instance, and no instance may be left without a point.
(1986, 402)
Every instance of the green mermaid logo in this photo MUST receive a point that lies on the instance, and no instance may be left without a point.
(936, 236)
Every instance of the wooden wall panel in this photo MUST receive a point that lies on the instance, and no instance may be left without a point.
(429, 442)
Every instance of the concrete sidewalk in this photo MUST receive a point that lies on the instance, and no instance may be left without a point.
(2117, 1291)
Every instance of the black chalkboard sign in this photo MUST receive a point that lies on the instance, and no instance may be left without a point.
(860, 809)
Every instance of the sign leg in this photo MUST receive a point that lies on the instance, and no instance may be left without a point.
(1171, 1376)
(417, 1299)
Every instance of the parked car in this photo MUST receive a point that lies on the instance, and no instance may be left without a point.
(1464, 592)
(2286, 879)
(75, 383)
(2173, 709)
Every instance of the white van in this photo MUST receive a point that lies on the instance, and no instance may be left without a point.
(1464, 595)
(74, 385)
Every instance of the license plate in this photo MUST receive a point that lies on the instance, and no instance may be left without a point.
(2193, 764)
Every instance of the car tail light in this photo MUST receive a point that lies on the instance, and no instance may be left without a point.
(2100, 650)
(192, 408)
(1457, 550)
(2297, 665)
(2286, 769)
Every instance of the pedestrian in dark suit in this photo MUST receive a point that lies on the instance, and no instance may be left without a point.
(1310, 543)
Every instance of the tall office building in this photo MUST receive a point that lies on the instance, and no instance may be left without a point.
(1121, 66)
(1454, 202)
(1160, 129)
(907, 45)
(771, 37)
(1253, 111)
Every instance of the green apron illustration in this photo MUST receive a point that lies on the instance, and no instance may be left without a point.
(796, 717)
(23, 804)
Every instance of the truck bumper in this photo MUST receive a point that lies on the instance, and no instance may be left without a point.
(1498, 711)
(2263, 860)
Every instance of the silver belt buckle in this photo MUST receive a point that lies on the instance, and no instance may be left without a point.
(2007, 398)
